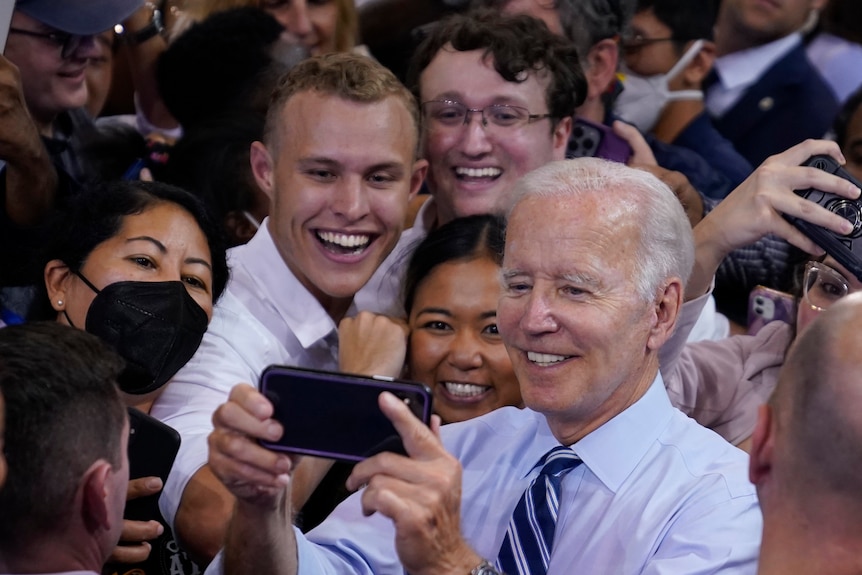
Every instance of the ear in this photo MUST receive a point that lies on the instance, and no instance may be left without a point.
(601, 70)
(57, 277)
(239, 229)
(561, 134)
(262, 167)
(694, 74)
(420, 169)
(95, 509)
(667, 306)
(762, 447)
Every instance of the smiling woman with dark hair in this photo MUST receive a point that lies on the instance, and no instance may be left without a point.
(139, 264)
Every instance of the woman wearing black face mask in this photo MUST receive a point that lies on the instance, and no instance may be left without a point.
(140, 264)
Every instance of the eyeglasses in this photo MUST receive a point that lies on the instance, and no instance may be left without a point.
(823, 286)
(450, 114)
(68, 43)
(635, 42)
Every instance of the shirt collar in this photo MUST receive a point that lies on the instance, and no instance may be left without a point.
(743, 68)
(612, 451)
(274, 281)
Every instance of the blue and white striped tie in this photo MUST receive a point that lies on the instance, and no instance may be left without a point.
(526, 549)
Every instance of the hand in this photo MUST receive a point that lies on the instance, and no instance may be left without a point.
(690, 198)
(252, 473)
(138, 532)
(420, 493)
(755, 208)
(641, 152)
(372, 344)
(31, 179)
(18, 134)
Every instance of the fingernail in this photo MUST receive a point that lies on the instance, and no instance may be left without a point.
(283, 479)
(273, 431)
(161, 529)
(154, 483)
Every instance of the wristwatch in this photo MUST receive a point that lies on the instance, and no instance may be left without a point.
(151, 30)
(486, 568)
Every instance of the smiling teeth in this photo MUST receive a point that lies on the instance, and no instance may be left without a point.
(545, 359)
(464, 389)
(345, 240)
(478, 172)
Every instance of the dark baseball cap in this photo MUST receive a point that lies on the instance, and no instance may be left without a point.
(81, 17)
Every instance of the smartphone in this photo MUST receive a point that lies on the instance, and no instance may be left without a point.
(846, 249)
(593, 140)
(336, 415)
(153, 447)
(766, 305)
(6, 9)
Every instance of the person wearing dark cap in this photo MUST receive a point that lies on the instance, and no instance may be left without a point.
(42, 93)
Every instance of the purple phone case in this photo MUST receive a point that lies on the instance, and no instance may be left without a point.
(335, 415)
(767, 305)
(597, 140)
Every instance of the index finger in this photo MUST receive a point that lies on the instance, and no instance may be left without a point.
(420, 441)
(143, 486)
(797, 154)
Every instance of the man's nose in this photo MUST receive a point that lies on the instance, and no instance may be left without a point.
(538, 314)
(476, 140)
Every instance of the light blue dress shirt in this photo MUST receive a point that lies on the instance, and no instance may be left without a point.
(657, 494)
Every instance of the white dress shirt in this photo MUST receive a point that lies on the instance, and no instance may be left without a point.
(264, 317)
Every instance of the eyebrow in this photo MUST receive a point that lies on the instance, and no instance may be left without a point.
(435, 310)
(502, 99)
(163, 250)
(447, 313)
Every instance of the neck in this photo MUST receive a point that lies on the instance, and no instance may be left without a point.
(730, 38)
(45, 126)
(51, 556)
(675, 117)
(794, 543)
(570, 428)
(592, 110)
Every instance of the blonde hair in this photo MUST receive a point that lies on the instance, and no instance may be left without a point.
(349, 76)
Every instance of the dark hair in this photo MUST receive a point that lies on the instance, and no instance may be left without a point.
(472, 237)
(842, 120)
(212, 160)
(97, 213)
(584, 22)
(517, 44)
(687, 20)
(63, 413)
(219, 64)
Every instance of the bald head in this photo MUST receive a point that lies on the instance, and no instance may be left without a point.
(818, 404)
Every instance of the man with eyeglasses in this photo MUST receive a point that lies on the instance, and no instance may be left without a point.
(667, 53)
(42, 94)
(497, 96)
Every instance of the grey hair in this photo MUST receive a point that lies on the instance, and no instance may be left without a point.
(586, 22)
(666, 247)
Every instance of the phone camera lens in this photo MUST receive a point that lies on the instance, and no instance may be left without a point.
(849, 211)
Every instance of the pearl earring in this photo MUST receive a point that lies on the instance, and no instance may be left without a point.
(59, 302)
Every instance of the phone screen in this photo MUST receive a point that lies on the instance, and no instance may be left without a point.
(6, 9)
(336, 415)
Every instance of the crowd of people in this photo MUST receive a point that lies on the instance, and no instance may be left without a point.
(549, 214)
